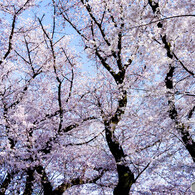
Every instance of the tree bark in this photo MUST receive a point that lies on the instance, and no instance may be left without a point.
(46, 184)
(29, 182)
(180, 127)
(5, 183)
(125, 175)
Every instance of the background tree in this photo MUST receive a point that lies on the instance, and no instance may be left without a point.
(37, 69)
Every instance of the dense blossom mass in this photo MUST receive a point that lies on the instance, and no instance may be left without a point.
(97, 97)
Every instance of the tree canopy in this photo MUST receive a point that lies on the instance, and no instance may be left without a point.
(97, 97)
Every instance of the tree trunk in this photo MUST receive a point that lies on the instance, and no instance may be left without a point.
(125, 176)
(29, 182)
(47, 187)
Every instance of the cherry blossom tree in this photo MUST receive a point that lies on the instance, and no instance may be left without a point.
(36, 69)
(123, 35)
(125, 128)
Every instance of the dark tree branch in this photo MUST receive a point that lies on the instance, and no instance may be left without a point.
(142, 171)
(55, 70)
(184, 67)
(167, 46)
(48, 145)
(46, 184)
(173, 114)
(86, 142)
(72, 77)
(29, 182)
(119, 60)
(23, 92)
(62, 13)
(170, 54)
(10, 39)
(12, 31)
(160, 21)
(77, 181)
(102, 31)
(154, 5)
(5, 183)
(125, 175)
(169, 78)
(182, 129)
(88, 8)
(103, 61)
(191, 113)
